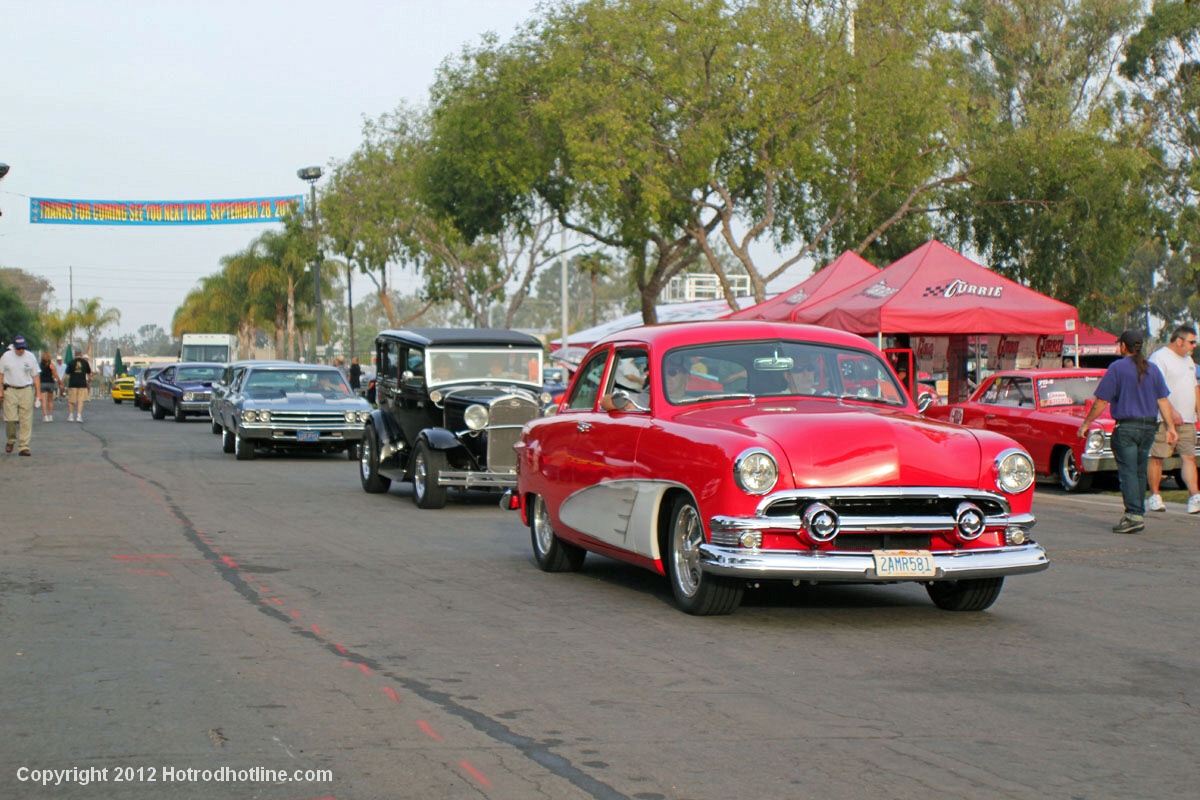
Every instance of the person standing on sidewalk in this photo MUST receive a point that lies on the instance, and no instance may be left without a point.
(79, 383)
(49, 388)
(1175, 362)
(1137, 393)
(21, 379)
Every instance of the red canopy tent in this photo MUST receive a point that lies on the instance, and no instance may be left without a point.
(846, 270)
(935, 290)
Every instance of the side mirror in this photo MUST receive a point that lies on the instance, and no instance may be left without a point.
(924, 401)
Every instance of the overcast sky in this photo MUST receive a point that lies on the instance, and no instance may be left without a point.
(184, 100)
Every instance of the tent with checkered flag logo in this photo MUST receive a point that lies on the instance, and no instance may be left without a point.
(938, 292)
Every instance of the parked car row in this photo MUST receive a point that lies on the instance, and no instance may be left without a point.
(717, 455)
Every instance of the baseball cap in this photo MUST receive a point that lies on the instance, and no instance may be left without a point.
(1131, 338)
(19, 342)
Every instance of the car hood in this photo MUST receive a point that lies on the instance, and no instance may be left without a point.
(309, 399)
(830, 444)
(192, 386)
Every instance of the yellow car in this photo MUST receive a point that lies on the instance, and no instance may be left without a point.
(122, 388)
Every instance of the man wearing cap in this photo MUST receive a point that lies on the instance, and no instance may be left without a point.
(22, 385)
(1137, 392)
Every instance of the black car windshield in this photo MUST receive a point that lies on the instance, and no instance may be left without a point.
(778, 369)
(483, 365)
(268, 384)
(199, 373)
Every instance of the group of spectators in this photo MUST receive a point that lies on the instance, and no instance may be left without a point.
(1155, 402)
(30, 384)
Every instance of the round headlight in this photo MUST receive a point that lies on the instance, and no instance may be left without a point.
(755, 471)
(476, 417)
(264, 416)
(189, 397)
(351, 417)
(363, 416)
(1095, 441)
(249, 416)
(436, 395)
(1014, 472)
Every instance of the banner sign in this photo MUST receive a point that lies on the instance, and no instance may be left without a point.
(164, 212)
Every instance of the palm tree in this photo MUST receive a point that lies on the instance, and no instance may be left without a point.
(57, 326)
(92, 318)
(285, 256)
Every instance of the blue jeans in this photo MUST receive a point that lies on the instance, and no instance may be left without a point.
(1131, 442)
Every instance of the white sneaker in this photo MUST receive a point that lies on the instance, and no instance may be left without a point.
(1155, 503)
(79, 417)
(50, 418)
(1194, 504)
(70, 417)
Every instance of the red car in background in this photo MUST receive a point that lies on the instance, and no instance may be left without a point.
(1042, 410)
(724, 455)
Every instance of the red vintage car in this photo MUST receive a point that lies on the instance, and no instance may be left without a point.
(750, 451)
(1042, 410)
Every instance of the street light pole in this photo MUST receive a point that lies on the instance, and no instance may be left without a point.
(311, 175)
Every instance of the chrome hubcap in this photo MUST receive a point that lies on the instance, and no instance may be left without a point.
(686, 551)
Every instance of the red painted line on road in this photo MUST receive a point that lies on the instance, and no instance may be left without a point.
(316, 630)
(276, 601)
(428, 730)
(361, 666)
(229, 562)
(390, 692)
(476, 774)
(339, 648)
(295, 613)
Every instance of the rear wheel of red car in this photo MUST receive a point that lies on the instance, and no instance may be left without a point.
(427, 465)
(368, 464)
(696, 592)
(1066, 469)
(551, 553)
(975, 594)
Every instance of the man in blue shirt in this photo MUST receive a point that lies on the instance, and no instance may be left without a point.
(1137, 392)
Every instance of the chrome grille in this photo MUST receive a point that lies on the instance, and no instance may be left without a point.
(308, 419)
(883, 503)
(506, 418)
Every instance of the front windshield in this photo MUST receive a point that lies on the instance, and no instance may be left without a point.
(780, 368)
(271, 384)
(199, 373)
(491, 364)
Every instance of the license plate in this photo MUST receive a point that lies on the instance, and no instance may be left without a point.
(904, 564)
(308, 436)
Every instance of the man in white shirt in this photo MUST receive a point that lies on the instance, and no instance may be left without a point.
(20, 392)
(1174, 360)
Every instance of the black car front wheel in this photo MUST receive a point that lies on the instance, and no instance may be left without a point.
(368, 464)
(427, 465)
(156, 411)
(243, 448)
(227, 441)
(696, 591)
(179, 414)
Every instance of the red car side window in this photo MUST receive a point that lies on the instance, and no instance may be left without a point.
(587, 384)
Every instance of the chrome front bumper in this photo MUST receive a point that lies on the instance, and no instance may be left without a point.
(477, 480)
(859, 567)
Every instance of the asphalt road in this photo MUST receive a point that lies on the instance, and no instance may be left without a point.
(178, 624)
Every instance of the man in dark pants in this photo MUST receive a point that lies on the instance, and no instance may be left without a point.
(1137, 392)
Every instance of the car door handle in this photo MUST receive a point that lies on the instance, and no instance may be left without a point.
(583, 427)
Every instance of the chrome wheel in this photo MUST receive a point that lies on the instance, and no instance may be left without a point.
(686, 538)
